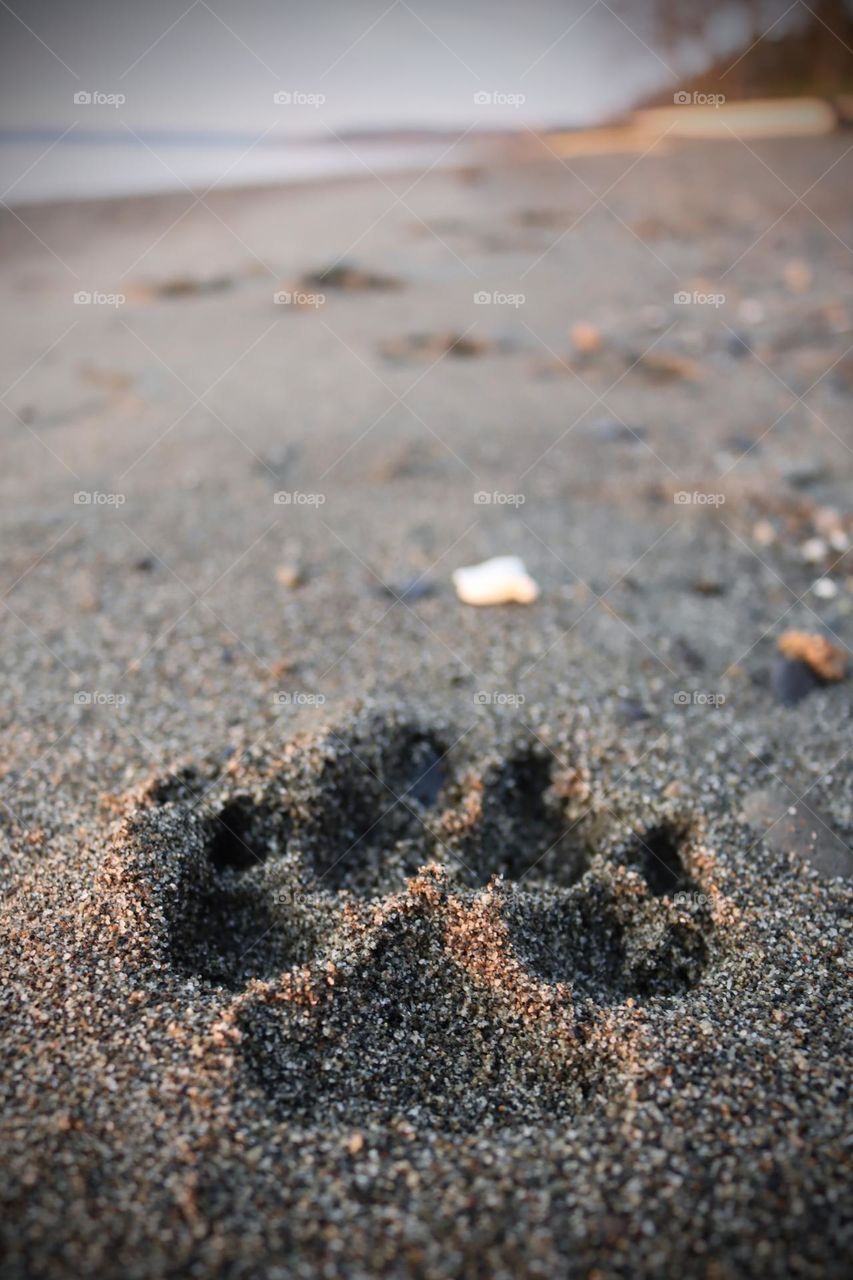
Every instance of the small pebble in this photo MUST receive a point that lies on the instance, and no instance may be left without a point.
(750, 311)
(612, 431)
(737, 346)
(792, 680)
(632, 710)
(290, 576)
(814, 550)
(802, 474)
(797, 276)
(829, 525)
(410, 589)
(586, 338)
(827, 660)
(709, 587)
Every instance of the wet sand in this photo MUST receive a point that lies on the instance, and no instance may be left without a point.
(347, 928)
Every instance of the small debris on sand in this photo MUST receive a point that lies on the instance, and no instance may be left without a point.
(631, 710)
(409, 590)
(430, 346)
(814, 550)
(666, 366)
(612, 431)
(802, 473)
(797, 276)
(750, 311)
(290, 576)
(827, 660)
(501, 580)
(764, 533)
(348, 278)
(540, 218)
(108, 379)
(738, 346)
(181, 287)
(586, 338)
(708, 586)
(830, 525)
(792, 680)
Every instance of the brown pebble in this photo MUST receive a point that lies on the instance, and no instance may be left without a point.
(290, 576)
(827, 660)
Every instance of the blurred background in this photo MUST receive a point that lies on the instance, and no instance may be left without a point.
(104, 98)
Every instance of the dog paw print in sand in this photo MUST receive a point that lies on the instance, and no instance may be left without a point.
(392, 930)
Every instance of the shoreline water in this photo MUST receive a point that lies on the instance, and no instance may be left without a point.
(86, 172)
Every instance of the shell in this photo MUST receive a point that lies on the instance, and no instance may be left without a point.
(501, 580)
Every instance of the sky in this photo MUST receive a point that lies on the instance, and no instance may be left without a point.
(215, 64)
(166, 69)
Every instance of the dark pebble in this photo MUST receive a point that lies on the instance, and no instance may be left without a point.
(611, 431)
(737, 346)
(691, 657)
(631, 710)
(802, 475)
(742, 444)
(410, 590)
(792, 681)
(709, 587)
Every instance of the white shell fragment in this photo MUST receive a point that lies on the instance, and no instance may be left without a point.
(501, 580)
(825, 588)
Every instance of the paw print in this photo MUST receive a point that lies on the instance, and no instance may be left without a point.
(374, 908)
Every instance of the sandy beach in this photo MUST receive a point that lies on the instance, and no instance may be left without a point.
(348, 929)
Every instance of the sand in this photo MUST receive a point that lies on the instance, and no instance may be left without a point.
(351, 930)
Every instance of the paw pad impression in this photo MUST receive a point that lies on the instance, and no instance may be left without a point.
(378, 911)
